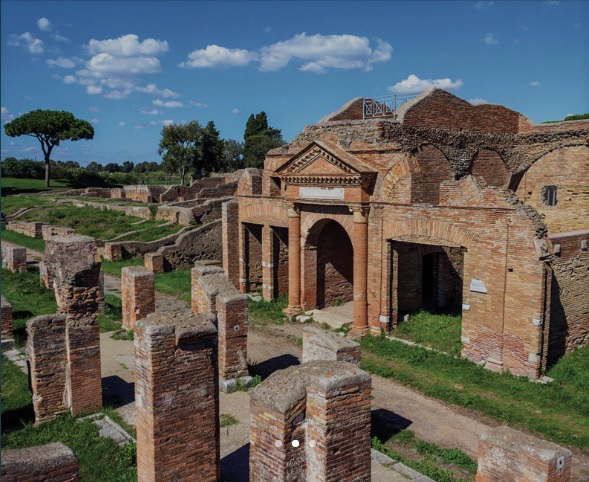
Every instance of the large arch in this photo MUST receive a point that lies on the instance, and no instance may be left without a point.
(427, 231)
(312, 218)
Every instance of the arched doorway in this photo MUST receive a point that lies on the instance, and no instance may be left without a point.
(328, 266)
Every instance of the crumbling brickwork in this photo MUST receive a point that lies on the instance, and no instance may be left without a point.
(14, 258)
(75, 269)
(311, 422)
(176, 397)
(6, 318)
(54, 462)
(154, 262)
(212, 292)
(507, 455)
(137, 293)
(325, 345)
(230, 236)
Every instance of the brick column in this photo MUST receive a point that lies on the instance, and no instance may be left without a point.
(230, 234)
(267, 263)
(138, 294)
(177, 397)
(294, 261)
(14, 258)
(6, 319)
(360, 327)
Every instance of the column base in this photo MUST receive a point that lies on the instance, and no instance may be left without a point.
(292, 311)
(358, 333)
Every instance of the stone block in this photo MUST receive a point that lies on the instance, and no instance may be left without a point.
(325, 345)
(54, 462)
(154, 262)
(6, 318)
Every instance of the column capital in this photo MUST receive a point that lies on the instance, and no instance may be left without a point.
(294, 209)
(360, 213)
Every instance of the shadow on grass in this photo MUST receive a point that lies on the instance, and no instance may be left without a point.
(16, 419)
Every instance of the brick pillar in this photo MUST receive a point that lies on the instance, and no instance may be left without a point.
(360, 327)
(326, 413)
(54, 462)
(75, 267)
(14, 258)
(294, 261)
(176, 398)
(230, 234)
(112, 251)
(242, 236)
(267, 263)
(508, 455)
(138, 294)
(154, 262)
(6, 319)
(47, 357)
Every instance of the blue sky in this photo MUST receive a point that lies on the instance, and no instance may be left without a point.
(130, 67)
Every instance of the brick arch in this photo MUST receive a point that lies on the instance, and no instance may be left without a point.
(311, 219)
(400, 170)
(264, 213)
(419, 229)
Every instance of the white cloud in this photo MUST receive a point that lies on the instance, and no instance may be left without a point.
(236, 111)
(322, 52)
(152, 89)
(32, 44)
(553, 3)
(483, 5)
(164, 123)
(92, 108)
(70, 79)
(106, 65)
(94, 89)
(535, 83)
(478, 101)
(169, 103)
(63, 62)
(198, 105)
(44, 24)
(151, 112)
(490, 39)
(6, 115)
(60, 38)
(413, 84)
(138, 126)
(127, 46)
(122, 124)
(95, 121)
(214, 56)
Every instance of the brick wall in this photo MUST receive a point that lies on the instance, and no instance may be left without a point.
(14, 258)
(508, 455)
(54, 462)
(488, 164)
(230, 236)
(154, 262)
(280, 261)
(176, 397)
(137, 293)
(31, 229)
(212, 292)
(6, 319)
(322, 405)
(325, 345)
(253, 255)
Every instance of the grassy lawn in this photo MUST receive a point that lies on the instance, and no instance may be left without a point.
(114, 268)
(559, 411)
(441, 332)
(101, 459)
(265, 312)
(151, 234)
(37, 244)
(28, 298)
(99, 224)
(11, 204)
(176, 283)
(14, 185)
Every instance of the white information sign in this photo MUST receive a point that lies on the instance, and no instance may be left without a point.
(321, 192)
(478, 286)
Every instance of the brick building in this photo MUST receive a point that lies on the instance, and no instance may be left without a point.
(443, 206)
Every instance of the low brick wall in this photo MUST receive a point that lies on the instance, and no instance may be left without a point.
(507, 455)
(31, 229)
(6, 318)
(54, 462)
(311, 422)
(177, 398)
(325, 345)
(116, 250)
(212, 292)
(138, 294)
(14, 258)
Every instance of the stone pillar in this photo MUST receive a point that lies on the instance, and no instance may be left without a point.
(311, 422)
(154, 262)
(267, 263)
(360, 327)
(47, 357)
(14, 258)
(138, 294)
(54, 462)
(176, 397)
(6, 319)
(112, 251)
(75, 268)
(230, 235)
(294, 261)
(508, 455)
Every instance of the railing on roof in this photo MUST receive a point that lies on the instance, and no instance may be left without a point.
(384, 106)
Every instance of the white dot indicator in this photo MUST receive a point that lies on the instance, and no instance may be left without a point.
(312, 443)
(295, 443)
(278, 443)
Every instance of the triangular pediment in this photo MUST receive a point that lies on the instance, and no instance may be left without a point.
(321, 158)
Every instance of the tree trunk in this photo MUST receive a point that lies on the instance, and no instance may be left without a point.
(47, 169)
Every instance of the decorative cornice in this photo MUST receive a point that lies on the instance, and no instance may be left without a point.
(344, 180)
(308, 158)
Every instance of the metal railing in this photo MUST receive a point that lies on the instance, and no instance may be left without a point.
(384, 106)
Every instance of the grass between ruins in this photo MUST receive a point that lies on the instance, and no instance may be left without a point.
(441, 332)
(559, 411)
(36, 244)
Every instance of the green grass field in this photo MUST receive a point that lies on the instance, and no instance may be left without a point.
(36, 244)
(441, 332)
(14, 185)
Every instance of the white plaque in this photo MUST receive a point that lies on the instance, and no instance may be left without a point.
(478, 286)
(321, 192)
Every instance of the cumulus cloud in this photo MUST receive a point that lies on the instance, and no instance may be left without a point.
(151, 112)
(535, 83)
(164, 123)
(236, 111)
(44, 24)
(95, 121)
(70, 79)
(32, 44)
(169, 103)
(6, 115)
(122, 124)
(127, 46)
(152, 89)
(413, 84)
(63, 62)
(94, 89)
(60, 38)
(481, 5)
(198, 105)
(215, 56)
(490, 39)
(478, 101)
(316, 53)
